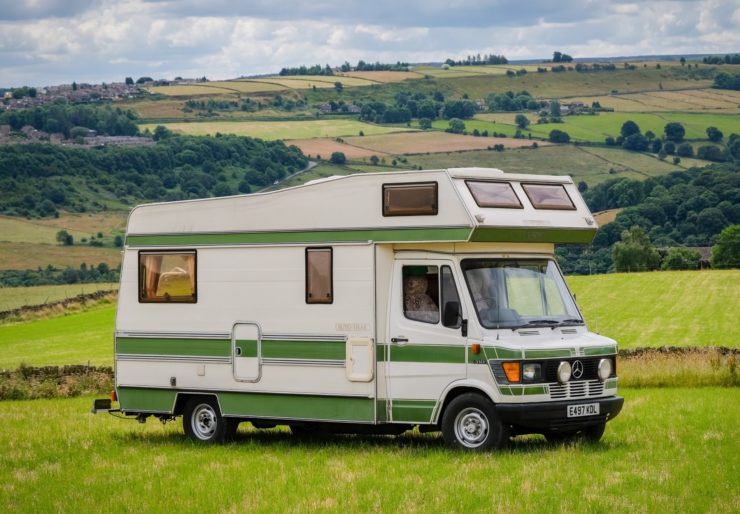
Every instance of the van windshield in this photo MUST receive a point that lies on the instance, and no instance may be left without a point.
(512, 293)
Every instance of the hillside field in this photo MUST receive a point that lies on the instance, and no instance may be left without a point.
(681, 308)
(15, 297)
(280, 130)
(670, 451)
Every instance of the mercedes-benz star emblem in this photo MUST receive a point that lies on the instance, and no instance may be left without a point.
(577, 369)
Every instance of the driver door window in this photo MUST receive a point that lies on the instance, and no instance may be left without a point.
(430, 296)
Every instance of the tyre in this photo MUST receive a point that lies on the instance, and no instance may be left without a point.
(471, 423)
(203, 423)
(593, 433)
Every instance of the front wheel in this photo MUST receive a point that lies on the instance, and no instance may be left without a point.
(591, 434)
(203, 423)
(471, 423)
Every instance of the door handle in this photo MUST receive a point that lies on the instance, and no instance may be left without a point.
(238, 351)
(399, 339)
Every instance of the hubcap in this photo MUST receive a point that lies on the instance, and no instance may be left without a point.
(471, 427)
(204, 421)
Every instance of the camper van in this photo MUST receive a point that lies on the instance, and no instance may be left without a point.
(369, 303)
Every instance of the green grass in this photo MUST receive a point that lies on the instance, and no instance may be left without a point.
(668, 448)
(334, 127)
(590, 164)
(596, 128)
(15, 297)
(672, 308)
(78, 338)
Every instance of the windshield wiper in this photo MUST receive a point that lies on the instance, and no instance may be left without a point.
(544, 322)
(573, 321)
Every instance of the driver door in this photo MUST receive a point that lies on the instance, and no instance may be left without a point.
(427, 349)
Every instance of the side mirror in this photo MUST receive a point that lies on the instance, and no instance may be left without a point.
(451, 316)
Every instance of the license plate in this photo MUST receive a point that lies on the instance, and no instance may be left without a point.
(584, 409)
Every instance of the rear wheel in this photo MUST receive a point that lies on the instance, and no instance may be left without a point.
(203, 423)
(471, 423)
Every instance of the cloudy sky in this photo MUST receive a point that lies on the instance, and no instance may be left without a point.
(46, 42)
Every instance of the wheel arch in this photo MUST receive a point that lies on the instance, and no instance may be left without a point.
(183, 397)
(458, 388)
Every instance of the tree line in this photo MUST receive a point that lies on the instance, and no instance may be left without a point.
(478, 60)
(39, 179)
(64, 118)
(684, 208)
(376, 66)
(316, 69)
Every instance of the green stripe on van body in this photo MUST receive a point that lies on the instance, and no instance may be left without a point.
(325, 408)
(498, 352)
(532, 235)
(140, 399)
(176, 346)
(418, 411)
(548, 353)
(315, 350)
(329, 408)
(447, 354)
(318, 236)
(600, 350)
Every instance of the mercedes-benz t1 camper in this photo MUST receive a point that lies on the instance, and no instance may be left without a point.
(369, 303)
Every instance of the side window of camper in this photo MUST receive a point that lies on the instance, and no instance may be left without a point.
(319, 275)
(451, 309)
(421, 293)
(167, 277)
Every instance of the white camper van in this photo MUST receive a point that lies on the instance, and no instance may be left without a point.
(369, 303)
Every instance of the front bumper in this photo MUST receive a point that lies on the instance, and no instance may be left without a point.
(553, 415)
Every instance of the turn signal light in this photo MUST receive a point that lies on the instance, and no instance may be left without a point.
(113, 396)
(475, 348)
(513, 371)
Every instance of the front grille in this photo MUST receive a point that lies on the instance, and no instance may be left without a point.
(575, 390)
(590, 368)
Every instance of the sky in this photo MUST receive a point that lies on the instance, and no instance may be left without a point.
(45, 42)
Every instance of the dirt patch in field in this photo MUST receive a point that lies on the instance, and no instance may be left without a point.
(605, 217)
(324, 147)
(432, 142)
(383, 76)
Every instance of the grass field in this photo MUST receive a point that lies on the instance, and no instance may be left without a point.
(430, 142)
(78, 338)
(596, 128)
(14, 297)
(670, 449)
(572, 84)
(281, 129)
(324, 147)
(21, 230)
(33, 255)
(655, 101)
(383, 77)
(697, 308)
(592, 165)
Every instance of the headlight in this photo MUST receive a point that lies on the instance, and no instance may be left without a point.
(563, 372)
(605, 369)
(531, 372)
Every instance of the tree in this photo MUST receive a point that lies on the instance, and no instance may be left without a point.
(635, 142)
(338, 158)
(711, 153)
(727, 81)
(425, 123)
(374, 160)
(674, 131)
(555, 108)
(521, 121)
(685, 150)
(118, 241)
(129, 81)
(629, 127)
(635, 252)
(714, 134)
(559, 136)
(65, 238)
(681, 258)
(161, 132)
(726, 253)
(456, 126)
(338, 87)
(74, 86)
(669, 147)
(683, 61)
